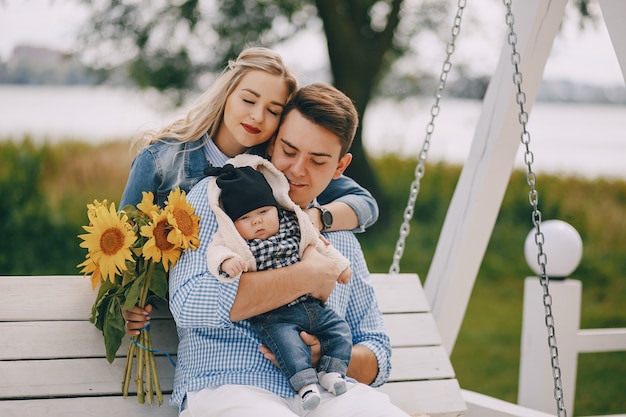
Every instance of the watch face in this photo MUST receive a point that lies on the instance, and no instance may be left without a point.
(327, 219)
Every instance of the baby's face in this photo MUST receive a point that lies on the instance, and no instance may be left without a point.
(261, 223)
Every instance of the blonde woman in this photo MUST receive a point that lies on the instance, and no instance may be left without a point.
(240, 110)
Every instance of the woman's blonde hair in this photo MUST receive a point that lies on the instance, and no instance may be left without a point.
(207, 112)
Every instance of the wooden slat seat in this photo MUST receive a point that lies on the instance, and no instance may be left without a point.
(52, 359)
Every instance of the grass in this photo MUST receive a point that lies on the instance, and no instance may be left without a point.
(45, 189)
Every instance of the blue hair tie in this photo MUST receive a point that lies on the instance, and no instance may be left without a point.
(136, 343)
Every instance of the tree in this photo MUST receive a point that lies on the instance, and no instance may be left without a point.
(169, 45)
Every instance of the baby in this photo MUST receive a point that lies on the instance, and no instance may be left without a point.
(261, 228)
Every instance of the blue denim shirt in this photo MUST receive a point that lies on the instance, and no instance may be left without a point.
(168, 164)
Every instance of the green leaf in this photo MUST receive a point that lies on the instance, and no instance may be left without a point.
(132, 294)
(97, 310)
(98, 313)
(130, 210)
(113, 330)
(158, 283)
(129, 274)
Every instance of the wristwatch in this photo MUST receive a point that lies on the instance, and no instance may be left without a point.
(326, 216)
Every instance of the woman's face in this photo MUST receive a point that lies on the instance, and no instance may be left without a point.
(252, 112)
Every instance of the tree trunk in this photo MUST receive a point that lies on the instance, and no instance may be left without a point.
(356, 54)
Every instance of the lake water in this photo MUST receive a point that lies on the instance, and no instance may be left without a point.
(583, 139)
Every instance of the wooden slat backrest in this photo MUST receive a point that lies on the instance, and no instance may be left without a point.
(50, 354)
(43, 298)
(37, 298)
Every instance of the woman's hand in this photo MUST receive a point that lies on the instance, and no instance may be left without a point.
(136, 319)
(310, 340)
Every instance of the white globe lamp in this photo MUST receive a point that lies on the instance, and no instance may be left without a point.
(562, 246)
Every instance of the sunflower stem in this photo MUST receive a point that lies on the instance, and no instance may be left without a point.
(128, 369)
(144, 356)
(146, 343)
(143, 297)
(155, 374)
(139, 379)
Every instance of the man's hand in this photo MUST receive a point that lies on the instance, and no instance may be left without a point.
(322, 274)
(136, 319)
(316, 347)
(312, 341)
(345, 276)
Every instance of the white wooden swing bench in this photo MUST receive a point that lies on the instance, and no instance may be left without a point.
(52, 360)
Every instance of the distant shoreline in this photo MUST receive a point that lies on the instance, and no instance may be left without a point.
(582, 139)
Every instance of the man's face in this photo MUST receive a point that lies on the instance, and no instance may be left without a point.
(308, 155)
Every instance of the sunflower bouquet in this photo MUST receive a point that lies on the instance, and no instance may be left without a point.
(129, 255)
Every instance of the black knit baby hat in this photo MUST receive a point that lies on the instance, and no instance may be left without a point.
(243, 189)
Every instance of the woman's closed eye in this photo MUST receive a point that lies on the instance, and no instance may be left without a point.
(271, 111)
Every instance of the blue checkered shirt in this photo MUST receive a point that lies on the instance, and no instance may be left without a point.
(215, 351)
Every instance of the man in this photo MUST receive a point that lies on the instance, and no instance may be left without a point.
(220, 370)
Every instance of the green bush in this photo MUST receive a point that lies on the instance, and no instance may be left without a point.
(36, 239)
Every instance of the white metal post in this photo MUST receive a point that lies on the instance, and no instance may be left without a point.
(536, 381)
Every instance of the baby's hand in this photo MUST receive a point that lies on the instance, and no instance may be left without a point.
(345, 276)
(234, 266)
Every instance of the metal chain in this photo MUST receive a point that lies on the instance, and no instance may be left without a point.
(420, 169)
(533, 198)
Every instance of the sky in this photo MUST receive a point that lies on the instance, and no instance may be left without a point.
(586, 56)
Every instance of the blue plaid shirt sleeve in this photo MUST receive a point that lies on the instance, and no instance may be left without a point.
(197, 298)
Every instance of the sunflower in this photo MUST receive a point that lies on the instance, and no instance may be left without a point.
(108, 241)
(180, 214)
(91, 208)
(158, 247)
(147, 204)
(89, 267)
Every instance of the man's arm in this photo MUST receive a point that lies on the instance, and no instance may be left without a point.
(363, 365)
(263, 291)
